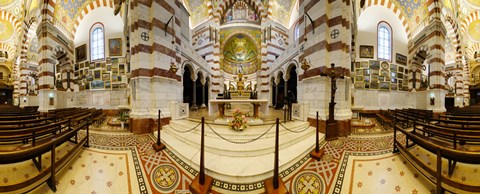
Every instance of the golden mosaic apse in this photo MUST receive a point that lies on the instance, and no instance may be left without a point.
(6, 2)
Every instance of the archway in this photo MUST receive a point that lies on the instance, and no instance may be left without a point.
(292, 84)
(187, 85)
(198, 97)
(280, 96)
(274, 91)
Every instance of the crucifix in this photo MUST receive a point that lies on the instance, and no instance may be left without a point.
(331, 132)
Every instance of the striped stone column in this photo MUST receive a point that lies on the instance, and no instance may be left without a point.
(436, 60)
(466, 82)
(46, 67)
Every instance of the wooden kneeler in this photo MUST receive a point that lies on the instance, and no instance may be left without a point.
(202, 184)
(275, 184)
(316, 153)
(159, 145)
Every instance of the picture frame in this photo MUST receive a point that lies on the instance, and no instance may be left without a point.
(114, 65)
(401, 59)
(384, 86)
(400, 69)
(77, 67)
(106, 76)
(366, 78)
(82, 65)
(109, 67)
(393, 80)
(384, 65)
(374, 72)
(359, 72)
(374, 64)
(381, 78)
(366, 71)
(114, 78)
(97, 84)
(359, 85)
(359, 78)
(393, 87)
(393, 67)
(400, 75)
(98, 65)
(108, 85)
(384, 72)
(374, 78)
(366, 51)
(81, 53)
(115, 86)
(367, 85)
(358, 64)
(97, 74)
(374, 85)
(92, 66)
(115, 47)
(364, 64)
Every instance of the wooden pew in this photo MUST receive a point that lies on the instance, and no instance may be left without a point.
(450, 152)
(41, 140)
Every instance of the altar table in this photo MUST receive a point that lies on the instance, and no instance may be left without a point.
(218, 105)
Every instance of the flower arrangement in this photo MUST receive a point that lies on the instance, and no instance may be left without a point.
(239, 121)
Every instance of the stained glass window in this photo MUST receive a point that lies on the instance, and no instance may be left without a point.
(384, 37)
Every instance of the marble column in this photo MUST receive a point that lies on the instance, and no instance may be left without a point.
(194, 102)
(203, 82)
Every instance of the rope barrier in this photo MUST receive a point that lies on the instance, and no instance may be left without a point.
(185, 130)
(241, 142)
(299, 131)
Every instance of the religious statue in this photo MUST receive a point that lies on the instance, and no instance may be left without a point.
(240, 83)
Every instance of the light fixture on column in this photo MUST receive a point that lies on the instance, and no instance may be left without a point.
(173, 67)
(305, 64)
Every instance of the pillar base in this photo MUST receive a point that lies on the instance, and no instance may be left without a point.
(157, 147)
(317, 155)
(196, 188)
(270, 189)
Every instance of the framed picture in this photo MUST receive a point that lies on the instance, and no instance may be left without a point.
(114, 65)
(400, 69)
(97, 74)
(393, 68)
(77, 67)
(401, 59)
(115, 47)
(81, 53)
(366, 72)
(374, 72)
(114, 77)
(394, 80)
(115, 86)
(367, 78)
(374, 78)
(359, 72)
(384, 85)
(357, 65)
(381, 78)
(106, 76)
(384, 72)
(393, 87)
(108, 84)
(374, 85)
(87, 86)
(364, 64)
(109, 67)
(97, 84)
(98, 65)
(393, 74)
(104, 65)
(367, 85)
(92, 66)
(76, 74)
(400, 83)
(384, 65)
(358, 78)
(81, 87)
(366, 51)
(374, 64)
(400, 75)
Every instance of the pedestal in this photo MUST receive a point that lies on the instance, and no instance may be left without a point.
(331, 131)
(255, 110)
(317, 155)
(270, 189)
(158, 147)
(197, 188)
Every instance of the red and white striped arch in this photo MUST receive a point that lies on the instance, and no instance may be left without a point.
(469, 19)
(391, 6)
(12, 19)
(88, 8)
(10, 50)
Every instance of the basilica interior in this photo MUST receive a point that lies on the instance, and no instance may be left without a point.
(239, 96)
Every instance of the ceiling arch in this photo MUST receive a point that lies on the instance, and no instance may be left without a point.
(394, 8)
(10, 26)
(88, 8)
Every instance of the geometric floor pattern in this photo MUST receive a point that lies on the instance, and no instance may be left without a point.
(126, 163)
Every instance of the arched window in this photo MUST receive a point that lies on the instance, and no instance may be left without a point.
(297, 32)
(384, 38)
(97, 42)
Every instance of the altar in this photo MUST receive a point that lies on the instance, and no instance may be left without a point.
(218, 105)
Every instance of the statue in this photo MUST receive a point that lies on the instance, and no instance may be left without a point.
(240, 83)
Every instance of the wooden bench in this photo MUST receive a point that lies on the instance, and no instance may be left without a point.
(30, 143)
(443, 149)
(99, 117)
(385, 119)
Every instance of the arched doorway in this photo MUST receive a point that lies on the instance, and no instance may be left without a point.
(280, 95)
(187, 86)
(292, 84)
(198, 98)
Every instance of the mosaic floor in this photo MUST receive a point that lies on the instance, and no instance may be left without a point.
(126, 163)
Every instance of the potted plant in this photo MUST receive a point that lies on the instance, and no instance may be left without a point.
(239, 121)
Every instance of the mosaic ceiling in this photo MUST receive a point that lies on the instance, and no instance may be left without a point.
(6, 30)
(281, 10)
(240, 50)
